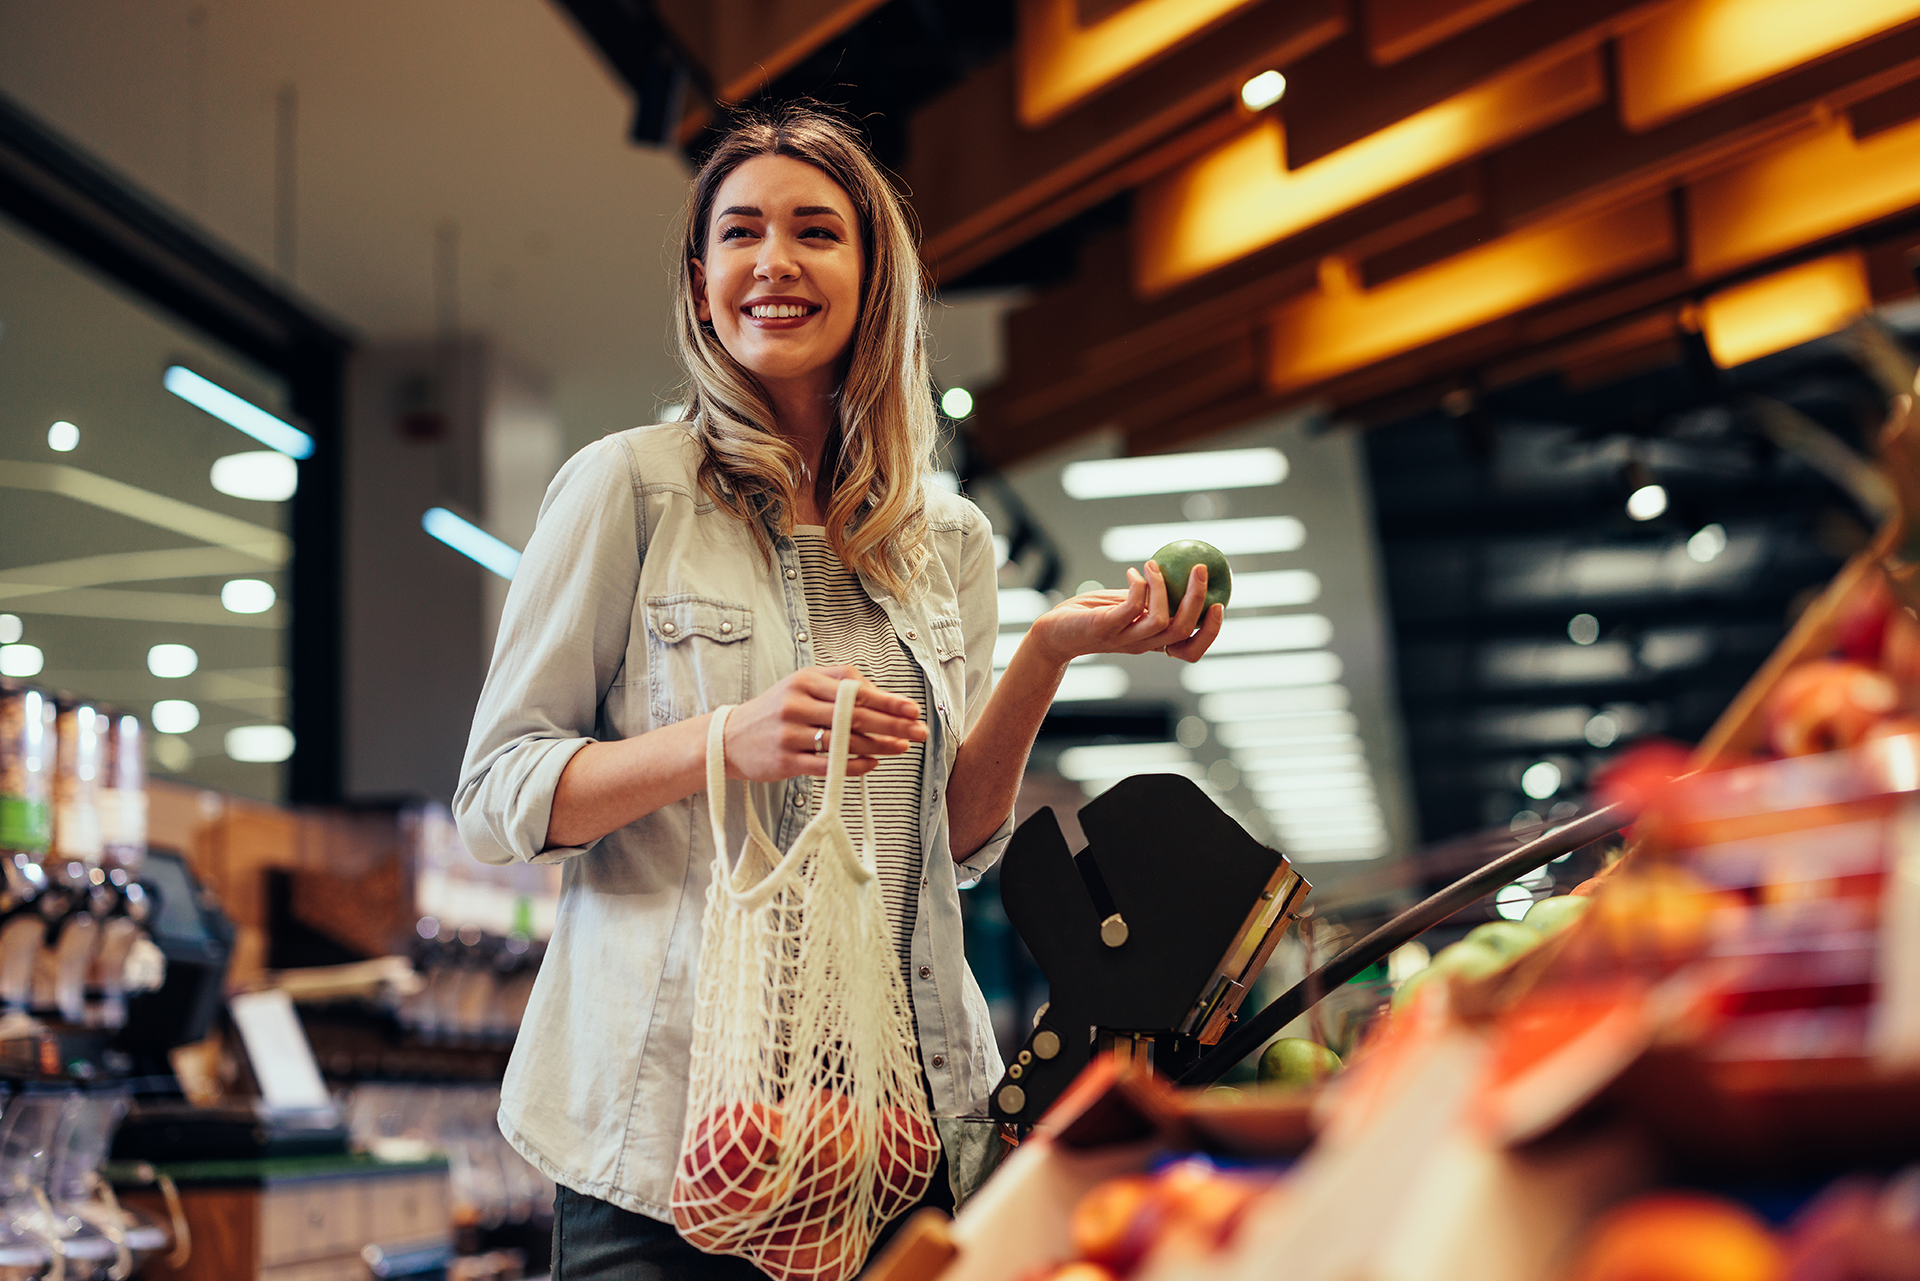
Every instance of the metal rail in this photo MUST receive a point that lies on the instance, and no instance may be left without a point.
(1251, 1033)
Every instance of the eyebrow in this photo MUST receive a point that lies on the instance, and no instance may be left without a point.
(804, 211)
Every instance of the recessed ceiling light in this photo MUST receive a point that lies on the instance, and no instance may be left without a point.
(1583, 629)
(21, 660)
(172, 661)
(1541, 780)
(1173, 473)
(244, 415)
(1707, 544)
(175, 716)
(261, 475)
(1274, 587)
(11, 628)
(62, 437)
(259, 744)
(247, 596)
(956, 403)
(1647, 502)
(471, 541)
(1263, 90)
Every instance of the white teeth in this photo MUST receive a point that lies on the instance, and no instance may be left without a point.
(776, 311)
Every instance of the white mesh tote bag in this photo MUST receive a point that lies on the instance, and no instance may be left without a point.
(807, 1126)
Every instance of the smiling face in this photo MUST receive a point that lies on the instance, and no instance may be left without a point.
(780, 282)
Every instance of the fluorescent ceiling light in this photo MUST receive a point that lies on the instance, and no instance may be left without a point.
(1708, 543)
(1260, 635)
(230, 409)
(1261, 671)
(171, 662)
(259, 744)
(1261, 588)
(262, 475)
(63, 437)
(1350, 798)
(247, 596)
(1173, 474)
(1522, 663)
(471, 541)
(1085, 684)
(1263, 90)
(1116, 760)
(1268, 704)
(1299, 783)
(1263, 766)
(21, 660)
(1263, 741)
(1021, 605)
(175, 716)
(1333, 850)
(1251, 536)
(1002, 549)
(1092, 787)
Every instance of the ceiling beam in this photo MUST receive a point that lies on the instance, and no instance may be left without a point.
(982, 181)
(745, 45)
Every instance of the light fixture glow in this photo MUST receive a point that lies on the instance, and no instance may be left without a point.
(1784, 309)
(1647, 502)
(1512, 901)
(1707, 543)
(1602, 730)
(260, 475)
(259, 744)
(1021, 605)
(241, 414)
(175, 716)
(247, 596)
(946, 480)
(170, 662)
(956, 403)
(1250, 536)
(1117, 760)
(1541, 780)
(1262, 588)
(1267, 704)
(11, 628)
(1270, 747)
(1263, 90)
(21, 660)
(1086, 684)
(1262, 635)
(1173, 473)
(1297, 783)
(1002, 550)
(63, 437)
(1583, 629)
(1260, 671)
(471, 541)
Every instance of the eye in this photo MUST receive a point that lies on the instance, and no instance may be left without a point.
(821, 233)
(735, 232)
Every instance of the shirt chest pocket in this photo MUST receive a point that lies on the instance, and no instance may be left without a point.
(950, 651)
(697, 655)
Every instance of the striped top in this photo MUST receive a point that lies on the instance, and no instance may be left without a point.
(848, 627)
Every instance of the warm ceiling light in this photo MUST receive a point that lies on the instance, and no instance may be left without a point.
(1173, 473)
(241, 414)
(1327, 333)
(1784, 309)
(1692, 52)
(1241, 197)
(957, 403)
(262, 475)
(471, 541)
(1061, 60)
(1645, 503)
(1253, 536)
(1263, 90)
(63, 437)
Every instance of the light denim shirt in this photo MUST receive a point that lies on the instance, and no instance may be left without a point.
(639, 603)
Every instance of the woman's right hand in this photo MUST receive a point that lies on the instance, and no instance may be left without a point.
(772, 737)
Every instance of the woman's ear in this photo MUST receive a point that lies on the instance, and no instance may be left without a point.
(701, 309)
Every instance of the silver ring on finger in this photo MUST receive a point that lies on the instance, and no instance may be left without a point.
(818, 735)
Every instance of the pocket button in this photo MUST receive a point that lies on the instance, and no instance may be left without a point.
(725, 628)
(801, 637)
(926, 971)
(939, 1060)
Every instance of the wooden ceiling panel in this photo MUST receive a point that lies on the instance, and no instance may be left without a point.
(746, 44)
(1399, 29)
(1064, 59)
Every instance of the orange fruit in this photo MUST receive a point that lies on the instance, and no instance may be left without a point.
(1675, 1236)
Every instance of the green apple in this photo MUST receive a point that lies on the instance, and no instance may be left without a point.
(1176, 561)
(1551, 915)
(1224, 1094)
(1410, 986)
(1469, 960)
(1509, 938)
(1292, 1062)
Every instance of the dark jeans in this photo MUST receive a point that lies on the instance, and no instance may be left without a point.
(595, 1240)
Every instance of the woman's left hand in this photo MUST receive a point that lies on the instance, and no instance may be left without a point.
(1135, 621)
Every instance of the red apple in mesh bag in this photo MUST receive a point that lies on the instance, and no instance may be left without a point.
(909, 1151)
(732, 1169)
(1826, 704)
(832, 1147)
(811, 1241)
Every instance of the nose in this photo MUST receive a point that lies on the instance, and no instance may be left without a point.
(776, 261)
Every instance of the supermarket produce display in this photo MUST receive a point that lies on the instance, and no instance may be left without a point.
(1702, 1064)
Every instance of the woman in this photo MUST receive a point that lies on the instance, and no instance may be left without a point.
(784, 536)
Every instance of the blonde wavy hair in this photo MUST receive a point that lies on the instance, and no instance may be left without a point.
(877, 463)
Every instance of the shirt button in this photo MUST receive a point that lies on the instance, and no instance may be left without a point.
(801, 637)
(793, 573)
(939, 1060)
(726, 627)
(912, 635)
(926, 971)
(799, 798)
(666, 629)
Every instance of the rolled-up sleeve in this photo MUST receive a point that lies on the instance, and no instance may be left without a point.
(562, 639)
(979, 597)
